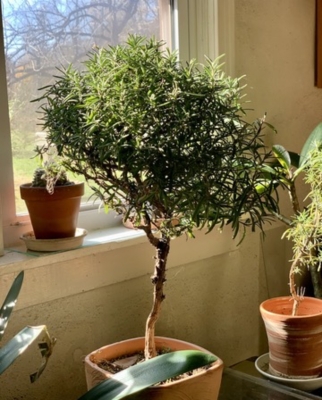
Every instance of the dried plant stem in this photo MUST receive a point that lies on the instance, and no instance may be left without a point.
(295, 296)
(306, 249)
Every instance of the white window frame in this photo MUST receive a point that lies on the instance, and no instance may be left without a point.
(207, 27)
(204, 27)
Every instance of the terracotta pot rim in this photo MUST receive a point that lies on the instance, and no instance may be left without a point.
(215, 365)
(284, 299)
(28, 185)
(37, 193)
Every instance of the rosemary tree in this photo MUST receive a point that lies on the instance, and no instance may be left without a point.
(162, 142)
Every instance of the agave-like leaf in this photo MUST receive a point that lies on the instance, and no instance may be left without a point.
(314, 139)
(147, 373)
(20, 342)
(10, 302)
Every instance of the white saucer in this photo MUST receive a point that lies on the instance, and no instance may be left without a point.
(262, 365)
(62, 244)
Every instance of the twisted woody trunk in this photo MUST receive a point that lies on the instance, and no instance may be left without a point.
(162, 247)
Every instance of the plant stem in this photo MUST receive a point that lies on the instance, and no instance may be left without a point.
(294, 199)
(314, 268)
(158, 279)
(282, 218)
(298, 260)
(316, 280)
(296, 298)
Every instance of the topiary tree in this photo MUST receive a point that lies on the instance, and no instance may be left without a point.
(165, 144)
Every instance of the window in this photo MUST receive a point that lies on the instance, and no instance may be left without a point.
(38, 36)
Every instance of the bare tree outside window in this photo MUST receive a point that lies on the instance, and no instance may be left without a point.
(41, 35)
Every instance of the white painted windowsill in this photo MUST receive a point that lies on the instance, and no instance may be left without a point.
(107, 239)
(105, 232)
(102, 229)
(108, 256)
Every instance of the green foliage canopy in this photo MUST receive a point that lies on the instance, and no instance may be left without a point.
(160, 140)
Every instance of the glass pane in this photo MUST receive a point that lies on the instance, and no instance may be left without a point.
(41, 35)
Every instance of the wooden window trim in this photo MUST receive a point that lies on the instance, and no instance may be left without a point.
(318, 44)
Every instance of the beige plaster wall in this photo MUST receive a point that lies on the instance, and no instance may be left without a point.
(274, 48)
(212, 300)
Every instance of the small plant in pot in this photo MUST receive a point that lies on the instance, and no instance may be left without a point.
(294, 324)
(162, 142)
(52, 201)
(284, 170)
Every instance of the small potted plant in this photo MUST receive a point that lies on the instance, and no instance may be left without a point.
(284, 170)
(52, 201)
(166, 146)
(294, 324)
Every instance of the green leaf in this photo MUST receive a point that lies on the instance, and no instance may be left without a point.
(314, 138)
(20, 342)
(10, 302)
(298, 171)
(295, 159)
(263, 185)
(148, 373)
(267, 171)
(282, 155)
(270, 126)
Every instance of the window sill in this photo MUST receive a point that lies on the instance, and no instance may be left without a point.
(108, 257)
(107, 239)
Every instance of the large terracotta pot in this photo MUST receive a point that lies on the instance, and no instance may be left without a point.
(53, 216)
(295, 342)
(204, 386)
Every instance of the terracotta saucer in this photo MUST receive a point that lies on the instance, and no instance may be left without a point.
(262, 365)
(44, 245)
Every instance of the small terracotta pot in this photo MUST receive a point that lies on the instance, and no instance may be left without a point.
(295, 342)
(53, 216)
(203, 386)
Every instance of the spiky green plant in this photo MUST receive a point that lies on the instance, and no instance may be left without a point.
(49, 175)
(284, 170)
(306, 228)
